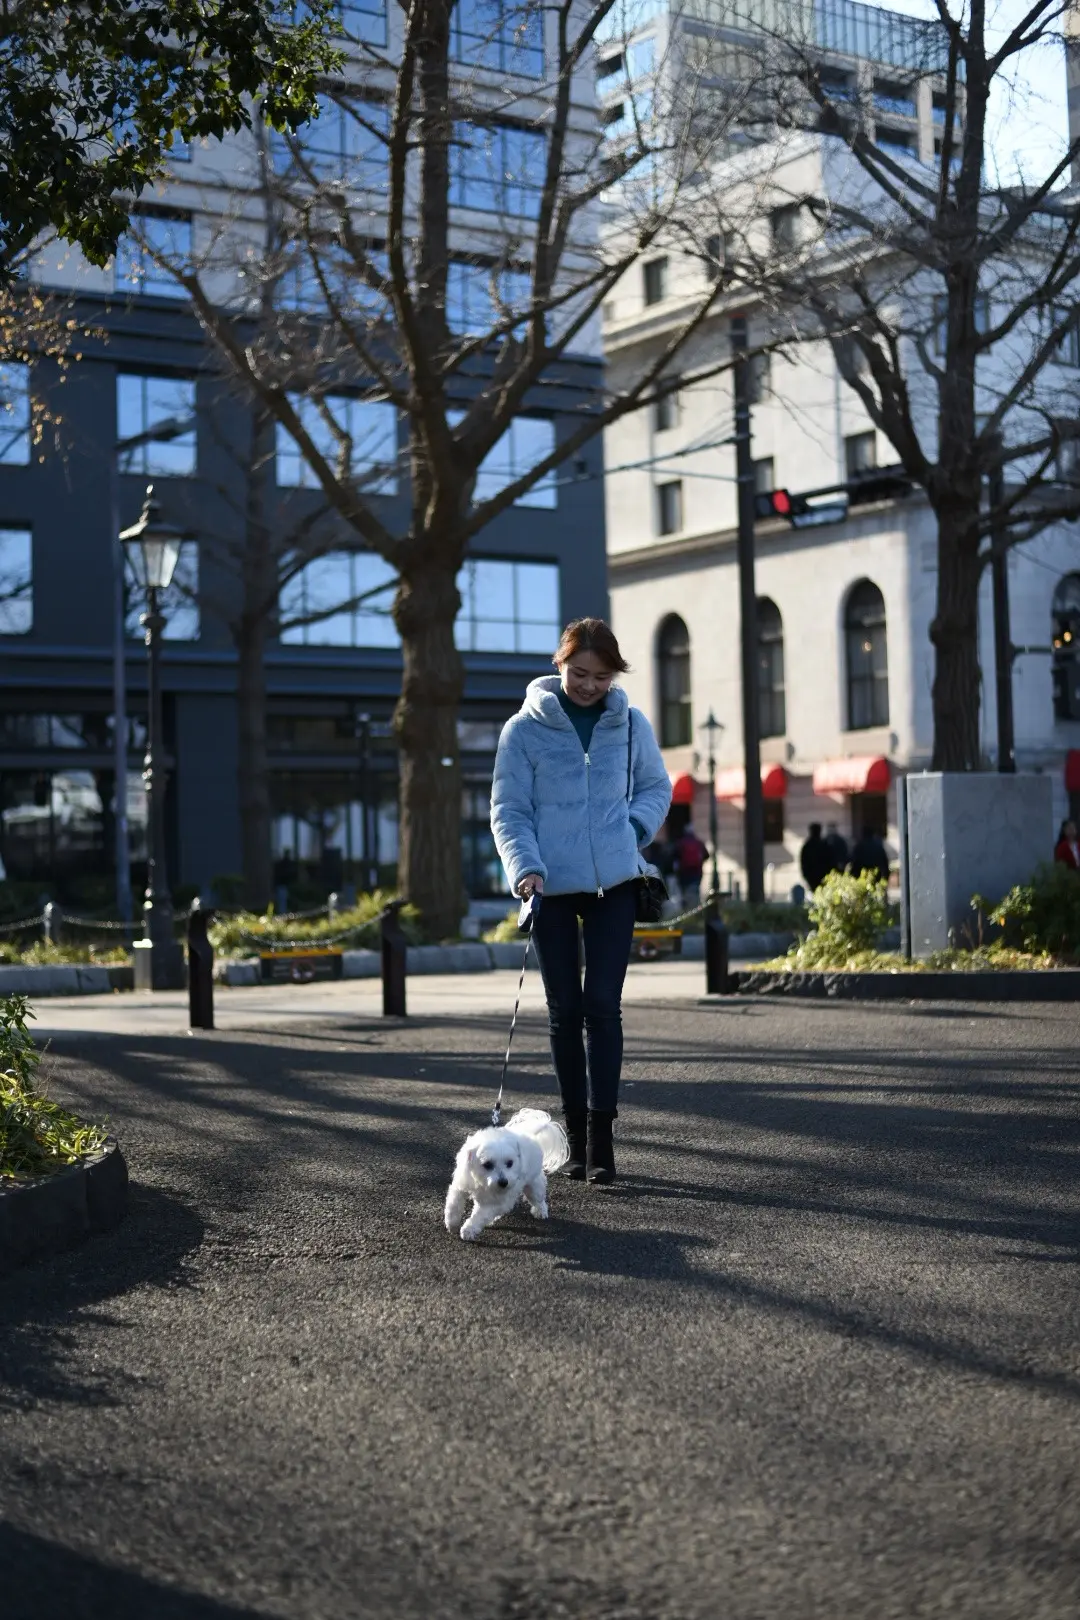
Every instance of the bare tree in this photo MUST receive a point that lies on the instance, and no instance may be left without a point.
(438, 230)
(947, 291)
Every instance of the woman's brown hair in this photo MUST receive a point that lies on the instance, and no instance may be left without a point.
(591, 635)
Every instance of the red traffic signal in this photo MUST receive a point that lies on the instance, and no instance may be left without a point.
(773, 503)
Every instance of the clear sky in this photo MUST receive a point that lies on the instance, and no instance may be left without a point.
(1029, 121)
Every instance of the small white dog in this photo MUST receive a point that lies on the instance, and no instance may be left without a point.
(497, 1167)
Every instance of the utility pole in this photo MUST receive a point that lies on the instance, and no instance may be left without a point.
(754, 818)
(1003, 649)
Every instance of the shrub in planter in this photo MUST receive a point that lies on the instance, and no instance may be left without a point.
(36, 1136)
(1043, 915)
(847, 916)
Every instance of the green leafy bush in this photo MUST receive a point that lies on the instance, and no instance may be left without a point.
(847, 915)
(243, 934)
(1043, 915)
(36, 1136)
(43, 953)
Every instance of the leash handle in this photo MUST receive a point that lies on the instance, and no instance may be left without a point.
(528, 918)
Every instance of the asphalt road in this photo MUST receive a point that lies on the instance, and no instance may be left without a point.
(816, 1355)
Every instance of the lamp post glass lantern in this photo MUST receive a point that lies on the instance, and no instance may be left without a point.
(154, 550)
(712, 728)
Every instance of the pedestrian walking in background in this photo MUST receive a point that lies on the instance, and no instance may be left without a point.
(815, 858)
(579, 788)
(1067, 851)
(690, 857)
(869, 855)
(837, 845)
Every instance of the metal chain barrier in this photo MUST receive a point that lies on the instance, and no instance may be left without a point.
(17, 927)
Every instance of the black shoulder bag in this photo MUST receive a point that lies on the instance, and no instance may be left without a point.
(650, 895)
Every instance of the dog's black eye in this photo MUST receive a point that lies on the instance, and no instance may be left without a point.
(509, 1164)
(488, 1164)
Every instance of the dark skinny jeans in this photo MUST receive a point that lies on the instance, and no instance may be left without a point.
(587, 1068)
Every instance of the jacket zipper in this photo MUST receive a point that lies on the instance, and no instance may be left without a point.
(588, 801)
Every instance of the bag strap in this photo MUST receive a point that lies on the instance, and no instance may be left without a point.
(629, 748)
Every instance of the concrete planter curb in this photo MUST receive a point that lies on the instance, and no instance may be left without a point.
(74, 979)
(741, 947)
(1061, 984)
(57, 1212)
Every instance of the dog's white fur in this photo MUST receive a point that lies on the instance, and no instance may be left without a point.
(498, 1167)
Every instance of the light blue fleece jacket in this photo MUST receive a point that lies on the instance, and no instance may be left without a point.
(564, 813)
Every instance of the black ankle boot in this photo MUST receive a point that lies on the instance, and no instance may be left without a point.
(600, 1151)
(576, 1136)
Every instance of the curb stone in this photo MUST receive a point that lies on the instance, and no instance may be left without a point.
(56, 1212)
(1047, 984)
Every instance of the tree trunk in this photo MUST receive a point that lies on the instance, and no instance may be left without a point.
(955, 636)
(253, 768)
(425, 722)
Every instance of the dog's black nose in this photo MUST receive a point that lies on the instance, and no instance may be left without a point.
(503, 1182)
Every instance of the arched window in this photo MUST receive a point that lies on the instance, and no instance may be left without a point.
(1065, 634)
(867, 658)
(770, 640)
(673, 659)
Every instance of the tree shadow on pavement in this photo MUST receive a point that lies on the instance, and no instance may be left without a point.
(40, 1579)
(43, 1305)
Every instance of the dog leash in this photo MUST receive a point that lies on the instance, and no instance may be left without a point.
(525, 925)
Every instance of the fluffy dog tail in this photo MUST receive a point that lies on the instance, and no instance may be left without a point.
(544, 1130)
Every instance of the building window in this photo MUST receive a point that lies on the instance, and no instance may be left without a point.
(771, 704)
(666, 412)
(1068, 349)
(361, 20)
(342, 599)
(346, 143)
(1065, 638)
(179, 604)
(941, 318)
(1067, 457)
(654, 277)
(498, 169)
(773, 816)
(165, 405)
(669, 506)
(359, 433)
(499, 35)
(479, 297)
(14, 414)
(135, 268)
(784, 227)
(345, 599)
(673, 664)
(860, 453)
(510, 607)
(764, 476)
(867, 658)
(528, 441)
(16, 582)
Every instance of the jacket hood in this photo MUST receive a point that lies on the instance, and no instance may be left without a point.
(542, 703)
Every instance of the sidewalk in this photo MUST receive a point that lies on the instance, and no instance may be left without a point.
(268, 1006)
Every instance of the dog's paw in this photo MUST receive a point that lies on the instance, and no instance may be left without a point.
(469, 1233)
(539, 1211)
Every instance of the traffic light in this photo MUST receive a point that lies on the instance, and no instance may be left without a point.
(778, 503)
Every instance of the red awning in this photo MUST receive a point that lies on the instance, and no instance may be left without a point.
(868, 773)
(731, 784)
(682, 789)
(1072, 771)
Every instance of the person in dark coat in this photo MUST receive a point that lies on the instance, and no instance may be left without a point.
(837, 844)
(869, 855)
(1067, 851)
(815, 858)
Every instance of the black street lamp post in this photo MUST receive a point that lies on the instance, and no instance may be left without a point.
(154, 550)
(712, 727)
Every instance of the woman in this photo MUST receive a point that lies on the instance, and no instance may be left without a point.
(579, 788)
(1068, 849)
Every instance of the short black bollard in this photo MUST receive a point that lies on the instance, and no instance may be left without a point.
(394, 946)
(52, 919)
(200, 954)
(717, 980)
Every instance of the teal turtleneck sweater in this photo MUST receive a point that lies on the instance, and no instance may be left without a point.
(583, 719)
